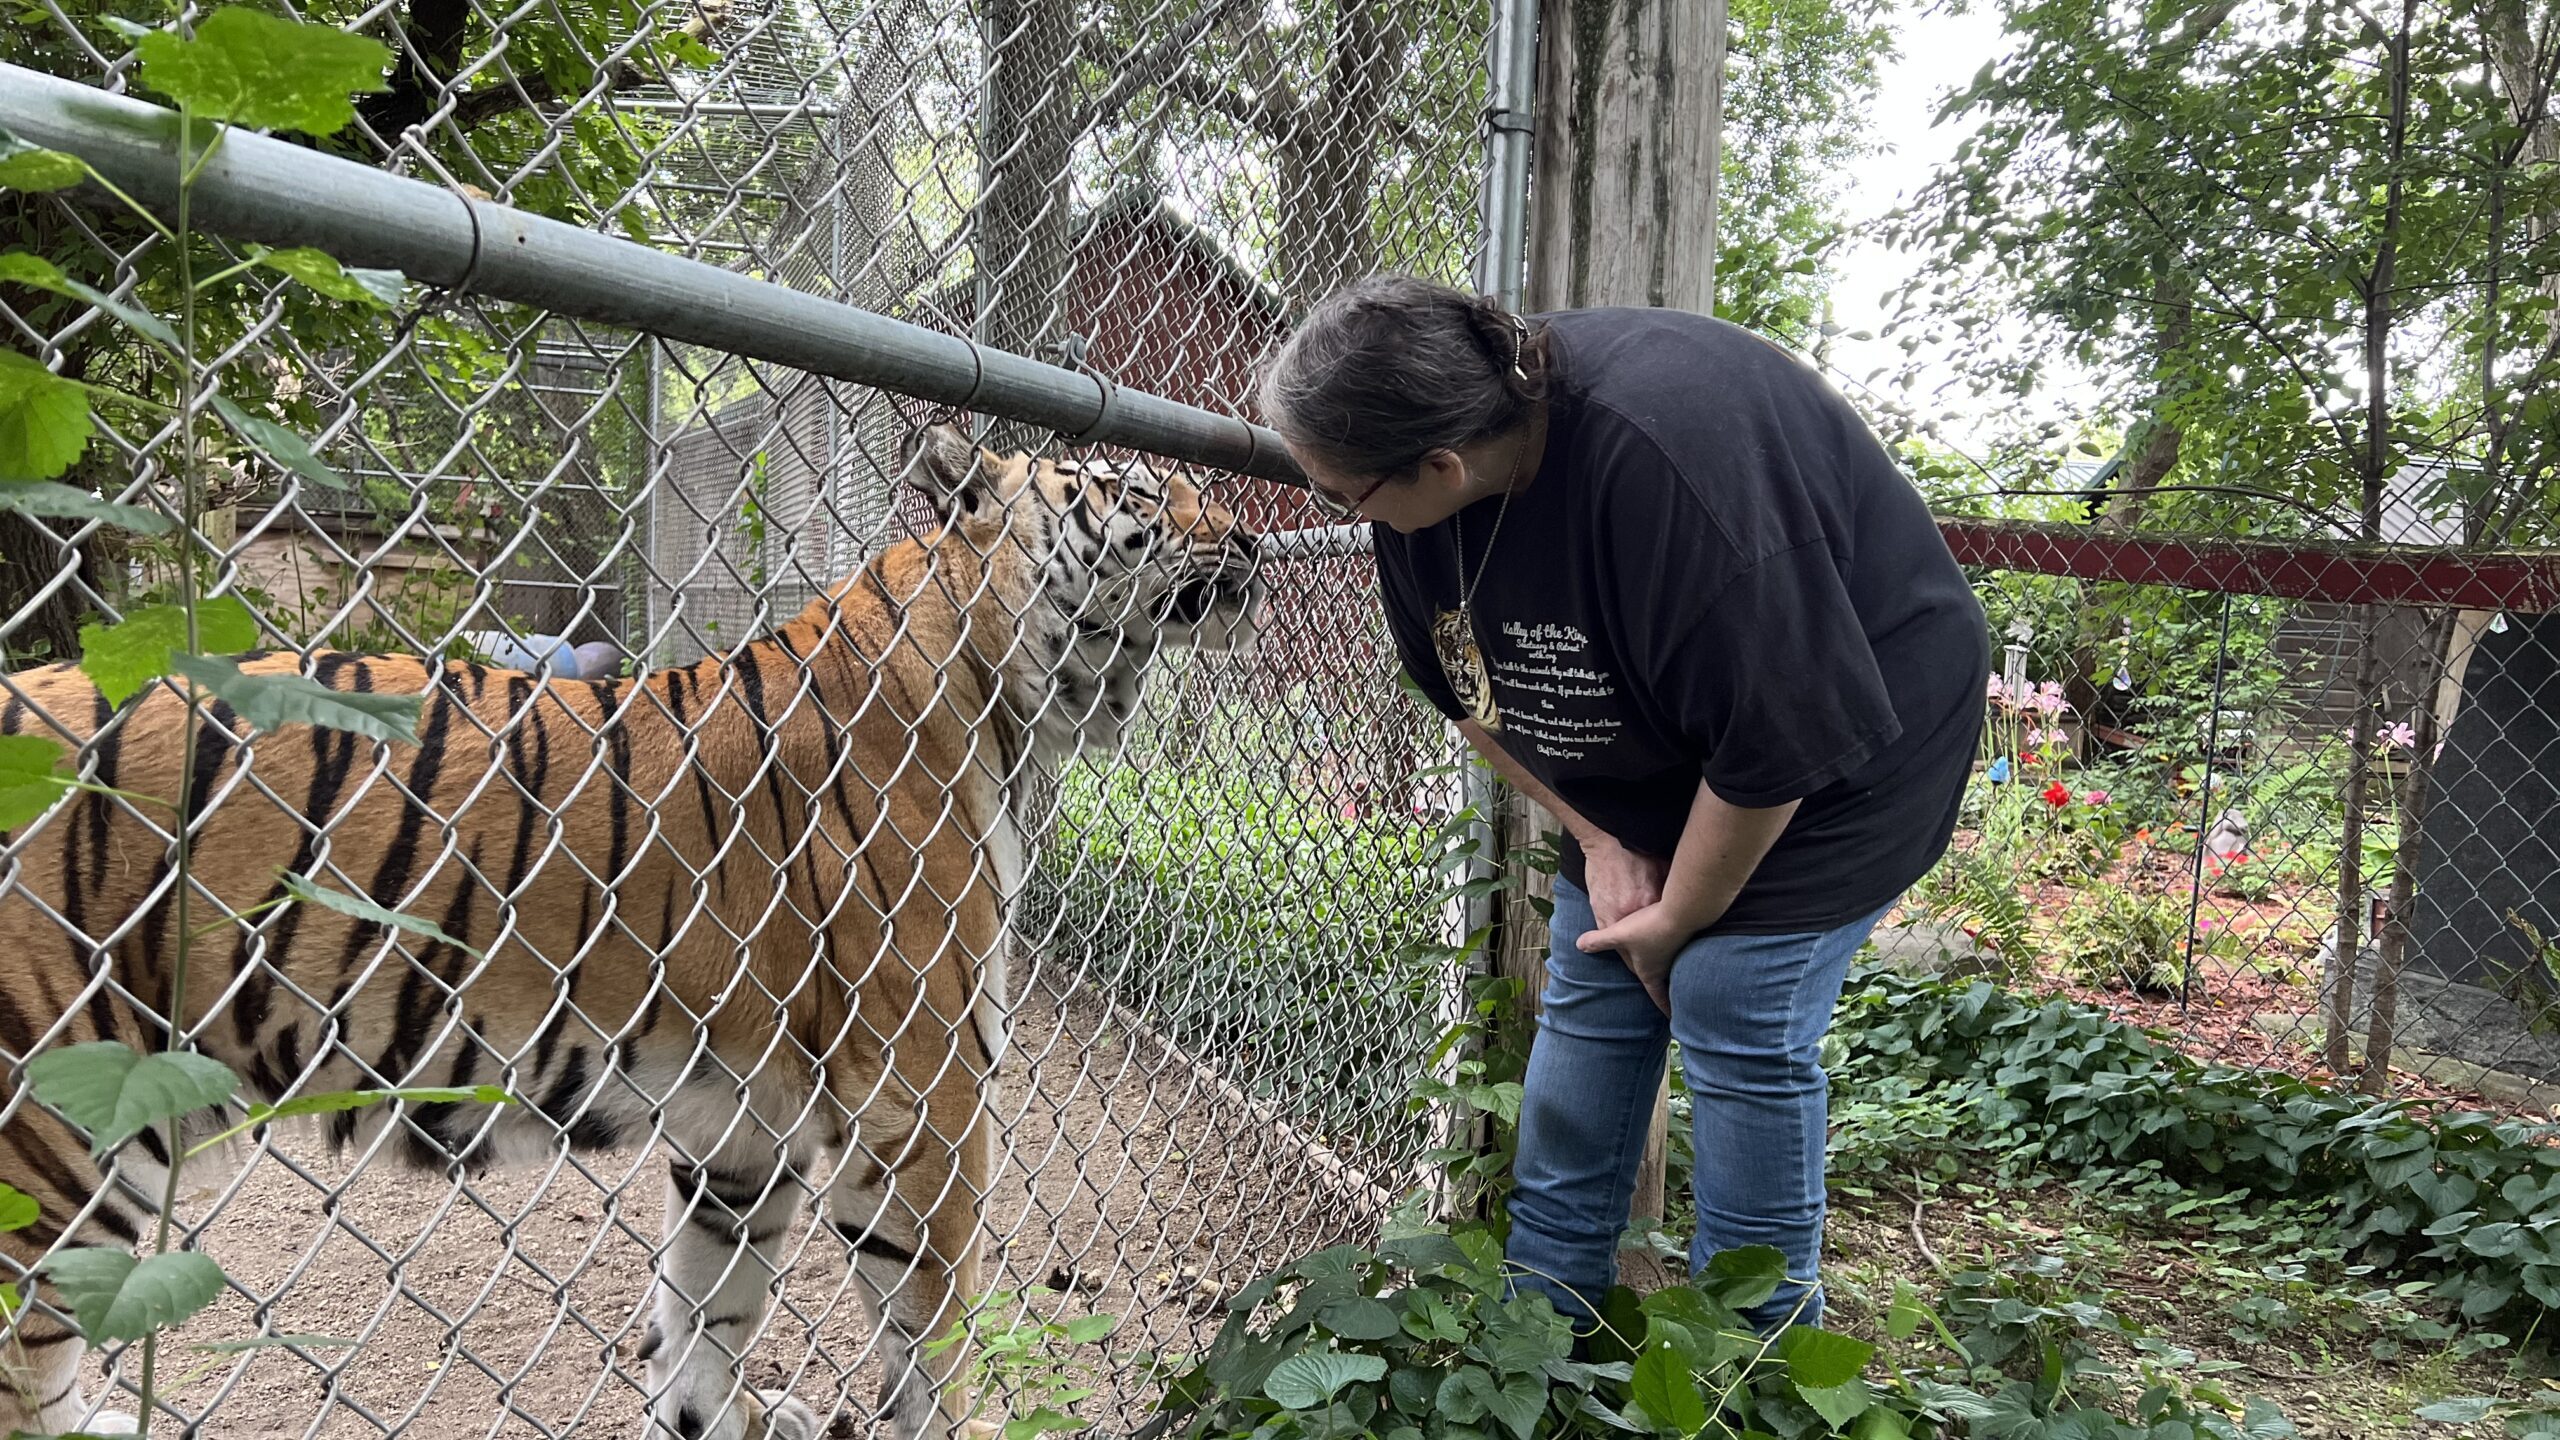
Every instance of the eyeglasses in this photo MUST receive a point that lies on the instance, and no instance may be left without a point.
(1340, 508)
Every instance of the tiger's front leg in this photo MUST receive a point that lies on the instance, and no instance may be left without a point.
(716, 1268)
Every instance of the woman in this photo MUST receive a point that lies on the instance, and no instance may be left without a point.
(1671, 587)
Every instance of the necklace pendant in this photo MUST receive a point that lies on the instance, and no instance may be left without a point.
(1453, 637)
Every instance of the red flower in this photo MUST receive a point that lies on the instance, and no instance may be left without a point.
(2057, 794)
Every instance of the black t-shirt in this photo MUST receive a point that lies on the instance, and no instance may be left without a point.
(1718, 574)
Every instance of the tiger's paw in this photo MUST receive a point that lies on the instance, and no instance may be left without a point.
(785, 1418)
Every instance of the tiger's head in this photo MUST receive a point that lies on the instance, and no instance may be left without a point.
(1103, 564)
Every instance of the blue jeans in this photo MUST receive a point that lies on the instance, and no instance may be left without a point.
(1749, 1012)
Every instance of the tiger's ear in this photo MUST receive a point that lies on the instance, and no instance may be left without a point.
(955, 475)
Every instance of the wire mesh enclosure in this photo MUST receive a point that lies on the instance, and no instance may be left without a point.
(704, 830)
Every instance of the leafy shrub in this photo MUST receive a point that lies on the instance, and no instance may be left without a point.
(2466, 1203)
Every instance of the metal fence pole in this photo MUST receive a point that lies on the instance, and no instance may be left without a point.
(275, 193)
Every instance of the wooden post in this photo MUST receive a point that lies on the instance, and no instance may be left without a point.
(1622, 212)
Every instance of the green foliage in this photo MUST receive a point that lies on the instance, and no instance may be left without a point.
(117, 1297)
(31, 779)
(309, 891)
(44, 420)
(2464, 1202)
(122, 658)
(35, 169)
(245, 68)
(272, 702)
(114, 1092)
(2116, 932)
(1038, 1365)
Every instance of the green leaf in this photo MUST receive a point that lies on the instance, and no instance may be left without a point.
(246, 68)
(1880, 1423)
(34, 168)
(1519, 1403)
(1908, 1314)
(49, 498)
(1043, 1421)
(30, 777)
(337, 1100)
(1359, 1318)
(1839, 1404)
(1086, 1329)
(2466, 1410)
(1668, 1392)
(1822, 1359)
(123, 657)
(44, 420)
(305, 889)
(37, 273)
(272, 702)
(113, 1091)
(18, 1210)
(1304, 1382)
(1743, 1277)
(319, 270)
(115, 1298)
(281, 445)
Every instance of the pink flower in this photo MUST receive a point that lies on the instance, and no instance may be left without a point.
(2096, 797)
(1350, 810)
(2048, 698)
(1997, 692)
(2401, 736)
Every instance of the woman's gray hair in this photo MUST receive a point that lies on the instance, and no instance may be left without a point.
(1389, 369)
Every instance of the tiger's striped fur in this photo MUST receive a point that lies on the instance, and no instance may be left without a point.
(751, 908)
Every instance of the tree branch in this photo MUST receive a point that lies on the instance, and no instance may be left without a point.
(1155, 64)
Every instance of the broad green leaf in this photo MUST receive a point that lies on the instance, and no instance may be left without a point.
(1359, 1318)
(1519, 1403)
(272, 702)
(302, 887)
(44, 420)
(1839, 1404)
(123, 657)
(37, 273)
(1668, 1392)
(321, 271)
(2465, 1410)
(1743, 1277)
(30, 777)
(281, 445)
(1086, 1329)
(59, 501)
(116, 1298)
(1880, 1423)
(10, 1300)
(113, 1091)
(247, 68)
(18, 1210)
(32, 167)
(1908, 1314)
(272, 1342)
(1821, 1359)
(1304, 1382)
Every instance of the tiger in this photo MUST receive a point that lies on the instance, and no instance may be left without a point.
(751, 910)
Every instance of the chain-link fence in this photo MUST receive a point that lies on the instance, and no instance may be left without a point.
(725, 909)
(2288, 799)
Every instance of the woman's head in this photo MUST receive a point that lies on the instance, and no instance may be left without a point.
(1391, 371)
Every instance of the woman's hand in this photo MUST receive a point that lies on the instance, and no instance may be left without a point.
(1629, 916)
(1619, 881)
(1648, 941)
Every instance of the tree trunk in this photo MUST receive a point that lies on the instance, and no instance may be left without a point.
(1328, 158)
(1027, 139)
(1623, 212)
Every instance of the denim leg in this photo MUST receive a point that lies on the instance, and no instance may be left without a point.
(1750, 1012)
(1587, 1099)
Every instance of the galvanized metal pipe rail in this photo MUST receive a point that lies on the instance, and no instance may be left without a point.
(274, 193)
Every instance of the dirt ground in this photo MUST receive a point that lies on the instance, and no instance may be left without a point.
(510, 1306)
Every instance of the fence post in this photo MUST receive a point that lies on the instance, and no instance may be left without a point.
(1614, 232)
